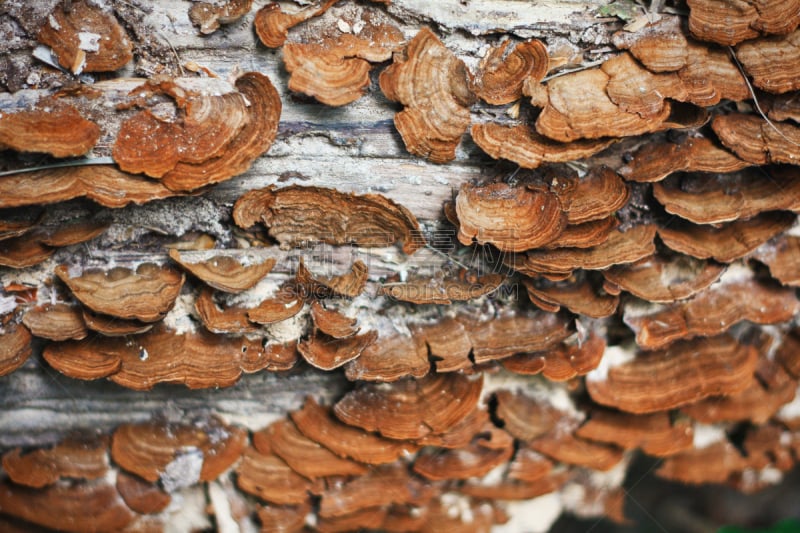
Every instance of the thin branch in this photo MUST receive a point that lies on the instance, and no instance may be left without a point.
(62, 164)
(755, 98)
(586, 66)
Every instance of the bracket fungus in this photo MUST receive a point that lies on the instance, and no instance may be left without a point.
(198, 360)
(502, 72)
(53, 128)
(86, 38)
(272, 24)
(664, 279)
(149, 449)
(431, 405)
(757, 141)
(336, 70)
(297, 215)
(146, 294)
(728, 242)
(522, 145)
(104, 184)
(318, 424)
(76, 459)
(512, 218)
(651, 218)
(15, 348)
(203, 127)
(712, 311)
(687, 371)
(225, 273)
(729, 23)
(209, 16)
(620, 248)
(655, 161)
(722, 198)
(57, 322)
(434, 87)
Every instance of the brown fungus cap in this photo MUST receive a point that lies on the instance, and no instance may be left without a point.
(146, 294)
(755, 140)
(685, 372)
(782, 256)
(283, 518)
(585, 234)
(728, 242)
(448, 343)
(75, 508)
(225, 273)
(562, 362)
(729, 23)
(596, 196)
(390, 358)
(637, 90)
(72, 458)
(522, 145)
(771, 62)
(661, 46)
(304, 456)
(15, 348)
(254, 139)
(51, 127)
(104, 184)
(85, 38)
(512, 218)
(140, 495)
(477, 459)
(714, 463)
(216, 320)
(524, 417)
(528, 465)
(725, 197)
(209, 16)
(433, 85)
(318, 424)
(349, 284)
(147, 449)
(272, 24)
(664, 279)
(198, 360)
(202, 129)
(332, 322)
(267, 476)
(501, 72)
(298, 214)
(757, 403)
(379, 487)
(572, 450)
(655, 161)
(326, 353)
(620, 248)
(580, 297)
(56, 322)
(111, 326)
(284, 305)
(508, 334)
(654, 433)
(336, 70)
(579, 108)
(411, 409)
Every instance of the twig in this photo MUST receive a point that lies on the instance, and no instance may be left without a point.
(586, 66)
(755, 99)
(76, 163)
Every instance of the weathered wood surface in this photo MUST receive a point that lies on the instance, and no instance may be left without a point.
(353, 148)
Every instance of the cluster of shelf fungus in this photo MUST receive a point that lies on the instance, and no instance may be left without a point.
(647, 217)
